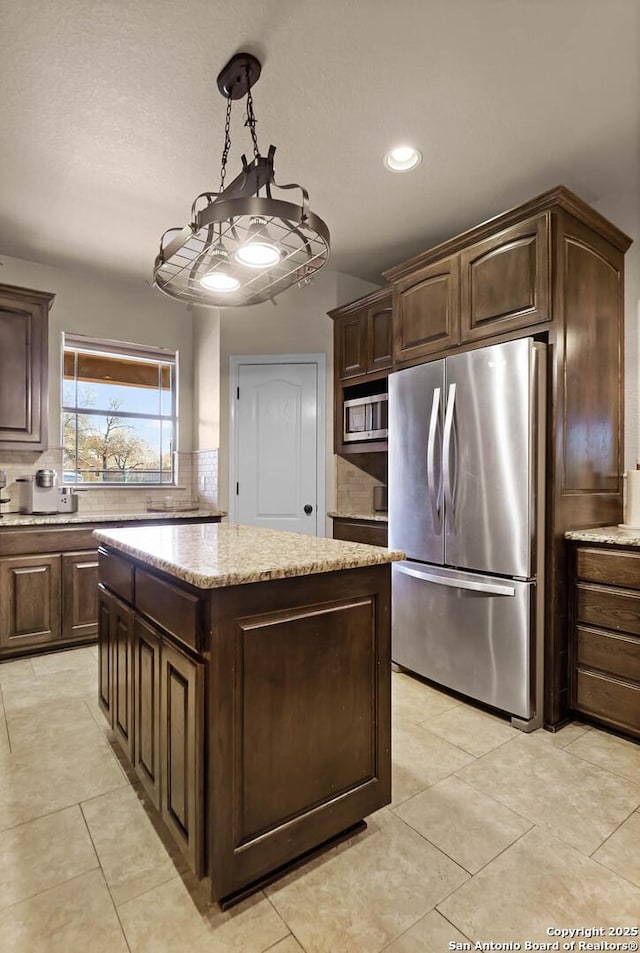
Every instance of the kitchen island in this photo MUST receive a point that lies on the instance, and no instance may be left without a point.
(246, 675)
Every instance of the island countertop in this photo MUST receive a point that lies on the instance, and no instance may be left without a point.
(213, 555)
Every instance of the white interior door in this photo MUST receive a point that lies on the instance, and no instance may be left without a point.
(276, 441)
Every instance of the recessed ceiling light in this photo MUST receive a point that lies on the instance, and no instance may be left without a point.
(403, 159)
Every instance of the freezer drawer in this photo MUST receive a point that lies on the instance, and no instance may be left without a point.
(469, 632)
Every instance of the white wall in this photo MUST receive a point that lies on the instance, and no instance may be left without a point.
(94, 304)
(296, 324)
(206, 378)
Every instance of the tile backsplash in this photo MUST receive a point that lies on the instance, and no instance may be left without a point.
(197, 479)
(355, 479)
(205, 476)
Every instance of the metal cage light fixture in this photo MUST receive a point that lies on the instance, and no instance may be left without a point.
(243, 245)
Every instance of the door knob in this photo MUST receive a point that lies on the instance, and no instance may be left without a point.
(308, 508)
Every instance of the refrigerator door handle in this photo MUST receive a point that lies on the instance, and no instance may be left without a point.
(434, 490)
(493, 589)
(446, 454)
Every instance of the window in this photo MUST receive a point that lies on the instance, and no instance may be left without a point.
(119, 418)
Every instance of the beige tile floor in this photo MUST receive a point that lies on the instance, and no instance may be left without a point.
(492, 835)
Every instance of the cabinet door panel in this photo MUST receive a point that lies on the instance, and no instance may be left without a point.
(351, 345)
(181, 718)
(379, 336)
(30, 600)
(146, 697)
(592, 437)
(122, 682)
(426, 311)
(79, 595)
(105, 653)
(23, 368)
(504, 281)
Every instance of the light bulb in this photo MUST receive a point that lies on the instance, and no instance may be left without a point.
(219, 279)
(403, 159)
(257, 251)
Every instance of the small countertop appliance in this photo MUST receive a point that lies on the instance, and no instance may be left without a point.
(39, 493)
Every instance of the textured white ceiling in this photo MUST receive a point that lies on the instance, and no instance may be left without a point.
(111, 123)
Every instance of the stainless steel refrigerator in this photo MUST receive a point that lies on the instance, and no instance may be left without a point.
(466, 504)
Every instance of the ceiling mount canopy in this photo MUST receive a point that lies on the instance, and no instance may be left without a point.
(245, 243)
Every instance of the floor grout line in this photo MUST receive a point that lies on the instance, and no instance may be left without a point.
(48, 889)
(287, 925)
(104, 876)
(614, 831)
(6, 720)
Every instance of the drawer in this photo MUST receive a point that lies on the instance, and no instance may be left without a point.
(612, 701)
(45, 539)
(608, 652)
(357, 531)
(617, 609)
(172, 608)
(609, 566)
(116, 574)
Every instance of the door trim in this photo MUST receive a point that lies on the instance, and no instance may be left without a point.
(320, 361)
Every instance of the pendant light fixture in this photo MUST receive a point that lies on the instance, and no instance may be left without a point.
(243, 244)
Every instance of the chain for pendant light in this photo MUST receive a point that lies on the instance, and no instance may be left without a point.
(251, 121)
(227, 144)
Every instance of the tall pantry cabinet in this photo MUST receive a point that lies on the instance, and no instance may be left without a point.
(552, 269)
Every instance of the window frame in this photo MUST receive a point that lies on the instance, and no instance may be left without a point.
(135, 352)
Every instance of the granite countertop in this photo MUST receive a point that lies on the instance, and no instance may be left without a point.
(345, 515)
(606, 534)
(62, 519)
(213, 555)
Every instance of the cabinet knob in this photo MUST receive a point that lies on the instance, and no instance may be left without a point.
(308, 508)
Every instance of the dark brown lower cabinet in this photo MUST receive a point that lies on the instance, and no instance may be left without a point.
(122, 675)
(105, 652)
(79, 595)
(29, 600)
(372, 532)
(152, 695)
(48, 598)
(49, 585)
(146, 707)
(605, 638)
(181, 744)
(115, 667)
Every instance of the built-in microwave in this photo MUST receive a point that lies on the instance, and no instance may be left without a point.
(365, 418)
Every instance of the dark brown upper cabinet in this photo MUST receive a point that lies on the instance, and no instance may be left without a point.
(362, 358)
(427, 311)
(24, 363)
(379, 335)
(505, 281)
(362, 336)
(350, 342)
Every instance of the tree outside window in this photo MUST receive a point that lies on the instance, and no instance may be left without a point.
(118, 415)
